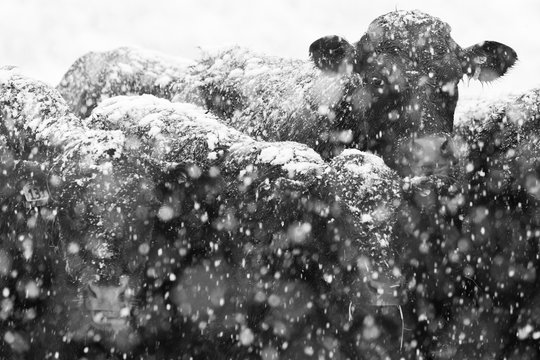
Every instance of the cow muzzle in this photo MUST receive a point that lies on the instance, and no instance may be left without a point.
(426, 156)
(109, 305)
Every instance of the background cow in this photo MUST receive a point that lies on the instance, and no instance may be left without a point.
(469, 257)
(253, 208)
(410, 69)
(151, 196)
(393, 93)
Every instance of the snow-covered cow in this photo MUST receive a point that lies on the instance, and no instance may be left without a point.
(410, 68)
(123, 71)
(150, 195)
(394, 92)
(234, 201)
(502, 137)
(497, 227)
(503, 177)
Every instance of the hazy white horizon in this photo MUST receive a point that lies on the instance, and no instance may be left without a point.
(44, 38)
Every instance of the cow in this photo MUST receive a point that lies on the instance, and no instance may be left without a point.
(410, 68)
(205, 215)
(262, 199)
(274, 197)
(31, 112)
(493, 221)
(28, 242)
(124, 71)
(503, 174)
(393, 92)
(147, 193)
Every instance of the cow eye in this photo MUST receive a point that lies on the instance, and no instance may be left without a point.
(84, 254)
(91, 291)
(377, 81)
(439, 50)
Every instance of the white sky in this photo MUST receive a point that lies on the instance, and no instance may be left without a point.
(43, 37)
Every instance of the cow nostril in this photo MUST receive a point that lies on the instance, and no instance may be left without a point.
(92, 290)
(124, 281)
(122, 295)
(376, 81)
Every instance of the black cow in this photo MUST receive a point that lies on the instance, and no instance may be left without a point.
(410, 68)
(397, 85)
(149, 192)
(28, 238)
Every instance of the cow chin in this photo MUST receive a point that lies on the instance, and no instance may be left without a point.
(123, 339)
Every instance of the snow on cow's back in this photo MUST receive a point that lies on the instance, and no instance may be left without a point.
(297, 161)
(266, 97)
(521, 110)
(501, 140)
(166, 132)
(371, 190)
(149, 112)
(91, 147)
(176, 132)
(100, 75)
(38, 124)
(33, 113)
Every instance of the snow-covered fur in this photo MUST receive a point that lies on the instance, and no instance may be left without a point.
(393, 92)
(265, 97)
(35, 119)
(503, 139)
(125, 71)
(274, 98)
(174, 134)
(270, 205)
(148, 191)
(503, 174)
(488, 248)
(262, 247)
(28, 237)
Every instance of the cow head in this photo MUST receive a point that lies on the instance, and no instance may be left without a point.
(106, 216)
(410, 67)
(120, 236)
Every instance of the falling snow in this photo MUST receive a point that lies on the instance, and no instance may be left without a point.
(247, 206)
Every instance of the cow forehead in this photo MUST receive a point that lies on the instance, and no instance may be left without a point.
(405, 26)
(107, 212)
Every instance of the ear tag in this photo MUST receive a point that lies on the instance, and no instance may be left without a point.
(479, 60)
(476, 75)
(35, 195)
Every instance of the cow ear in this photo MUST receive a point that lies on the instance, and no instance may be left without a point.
(488, 60)
(329, 52)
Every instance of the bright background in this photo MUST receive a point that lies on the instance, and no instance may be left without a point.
(43, 37)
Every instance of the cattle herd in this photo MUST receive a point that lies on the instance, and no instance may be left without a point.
(243, 206)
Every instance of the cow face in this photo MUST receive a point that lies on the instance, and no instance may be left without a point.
(410, 67)
(106, 221)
